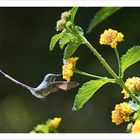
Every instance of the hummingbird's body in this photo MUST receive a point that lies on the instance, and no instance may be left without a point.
(47, 86)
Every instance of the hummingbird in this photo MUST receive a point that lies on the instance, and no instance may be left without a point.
(47, 86)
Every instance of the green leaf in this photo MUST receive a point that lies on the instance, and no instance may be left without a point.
(86, 92)
(80, 30)
(131, 57)
(101, 15)
(73, 13)
(70, 49)
(42, 128)
(65, 39)
(54, 40)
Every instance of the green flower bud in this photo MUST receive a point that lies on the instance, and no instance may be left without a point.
(129, 127)
(135, 116)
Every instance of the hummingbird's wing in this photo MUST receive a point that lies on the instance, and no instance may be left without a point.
(63, 85)
(52, 87)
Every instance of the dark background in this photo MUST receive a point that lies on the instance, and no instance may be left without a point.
(25, 34)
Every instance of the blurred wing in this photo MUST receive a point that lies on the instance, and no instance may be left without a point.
(54, 88)
(63, 85)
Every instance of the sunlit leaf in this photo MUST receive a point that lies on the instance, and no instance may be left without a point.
(73, 13)
(131, 57)
(101, 15)
(54, 40)
(86, 92)
(70, 49)
(65, 39)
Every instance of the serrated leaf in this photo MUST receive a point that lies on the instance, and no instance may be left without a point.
(73, 13)
(86, 92)
(65, 39)
(54, 40)
(131, 57)
(70, 49)
(101, 15)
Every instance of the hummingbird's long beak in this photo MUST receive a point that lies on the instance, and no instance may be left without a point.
(58, 74)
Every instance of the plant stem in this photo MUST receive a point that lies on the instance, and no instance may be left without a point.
(94, 76)
(109, 69)
(118, 59)
(104, 63)
(102, 60)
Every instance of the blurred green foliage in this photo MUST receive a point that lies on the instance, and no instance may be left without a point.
(50, 126)
(25, 35)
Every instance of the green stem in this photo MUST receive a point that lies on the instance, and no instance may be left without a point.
(109, 69)
(118, 59)
(104, 63)
(94, 76)
(102, 60)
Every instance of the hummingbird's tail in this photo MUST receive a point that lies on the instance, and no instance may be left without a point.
(15, 81)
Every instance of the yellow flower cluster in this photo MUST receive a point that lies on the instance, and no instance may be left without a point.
(111, 37)
(54, 123)
(60, 25)
(136, 127)
(133, 84)
(121, 113)
(68, 68)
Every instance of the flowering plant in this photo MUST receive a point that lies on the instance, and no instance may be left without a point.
(72, 37)
(50, 126)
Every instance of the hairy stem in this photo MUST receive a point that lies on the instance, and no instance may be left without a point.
(104, 63)
(93, 76)
(118, 59)
(108, 68)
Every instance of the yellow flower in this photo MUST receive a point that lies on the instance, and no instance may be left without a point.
(121, 113)
(68, 68)
(136, 127)
(133, 84)
(111, 37)
(55, 122)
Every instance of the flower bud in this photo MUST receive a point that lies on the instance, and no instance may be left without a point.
(55, 122)
(65, 15)
(135, 116)
(129, 127)
(60, 25)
